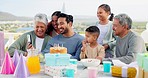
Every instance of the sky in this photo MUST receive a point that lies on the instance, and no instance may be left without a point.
(136, 9)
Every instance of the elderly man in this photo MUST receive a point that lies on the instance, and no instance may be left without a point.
(128, 43)
(38, 38)
(71, 40)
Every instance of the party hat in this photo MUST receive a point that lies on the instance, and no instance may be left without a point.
(15, 58)
(7, 66)
(21, 70)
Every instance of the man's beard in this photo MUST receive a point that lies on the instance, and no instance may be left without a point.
(65, 31)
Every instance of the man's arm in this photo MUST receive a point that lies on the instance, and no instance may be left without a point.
(112, 44)
(135, 45)
(19, 44)
(78, 50)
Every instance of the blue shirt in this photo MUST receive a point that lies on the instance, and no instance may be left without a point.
(73, 44)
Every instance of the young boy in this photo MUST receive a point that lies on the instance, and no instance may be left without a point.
(90, 47)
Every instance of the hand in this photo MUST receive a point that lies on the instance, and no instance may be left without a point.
(29, 46)
(106, 46)
(83, 50)
(25, 54)
(83, 45)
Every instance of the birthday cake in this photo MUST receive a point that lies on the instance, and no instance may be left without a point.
(61, 50)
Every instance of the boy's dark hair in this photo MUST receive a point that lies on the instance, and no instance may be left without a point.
(93, 30)
(64, 16)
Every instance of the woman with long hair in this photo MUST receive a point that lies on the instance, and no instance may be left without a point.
(52, 29)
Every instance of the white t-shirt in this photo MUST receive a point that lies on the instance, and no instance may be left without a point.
(103, 31)
(39, 43)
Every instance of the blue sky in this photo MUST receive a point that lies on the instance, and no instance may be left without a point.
(136, 9)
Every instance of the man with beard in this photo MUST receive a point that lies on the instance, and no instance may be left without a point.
(68, 38)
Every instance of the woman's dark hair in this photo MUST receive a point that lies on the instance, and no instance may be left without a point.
(56, 13)
(107, 9)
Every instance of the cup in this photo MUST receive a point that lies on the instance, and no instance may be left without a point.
(107, 66)
(92, 72)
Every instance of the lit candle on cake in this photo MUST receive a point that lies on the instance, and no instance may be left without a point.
(57, 48)
(1, 48)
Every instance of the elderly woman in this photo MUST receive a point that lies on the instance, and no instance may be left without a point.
(38, 38)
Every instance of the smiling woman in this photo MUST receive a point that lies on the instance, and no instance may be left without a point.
(38, 37)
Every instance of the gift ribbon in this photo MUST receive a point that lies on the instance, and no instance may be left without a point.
(124, 71)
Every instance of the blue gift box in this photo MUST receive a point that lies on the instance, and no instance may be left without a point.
(57, 59)
(140, 58)
(145, 64)
(73, 61)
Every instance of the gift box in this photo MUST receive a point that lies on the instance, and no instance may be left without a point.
(73, 63)
(129, 72)
(145, 74)
(2, 46)
(142, 59)
(145, 67)
(145, 64)
(53, 71)
(141, 72)
(57, 59)
(61, 71)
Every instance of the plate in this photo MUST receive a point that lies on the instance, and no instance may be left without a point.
(90, 62)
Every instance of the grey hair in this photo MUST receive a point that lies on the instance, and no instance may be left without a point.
(124, 19)
(41, 18)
